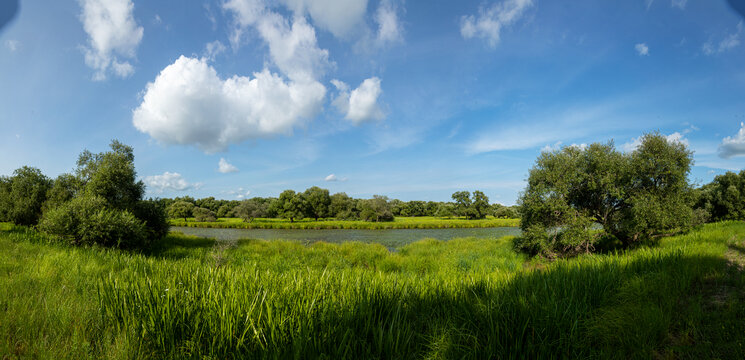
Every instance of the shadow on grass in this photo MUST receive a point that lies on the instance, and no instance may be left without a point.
(614, 307)
(738, 248)
(178, 246)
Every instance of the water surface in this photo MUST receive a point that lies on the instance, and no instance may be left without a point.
(391, 238)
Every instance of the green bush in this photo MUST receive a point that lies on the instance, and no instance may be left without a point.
(203, 215)
(87, 221)
(154, 217)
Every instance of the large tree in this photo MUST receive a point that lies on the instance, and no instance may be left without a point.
(633, 196)
(22, 196)
(317, 202)
(111, 175)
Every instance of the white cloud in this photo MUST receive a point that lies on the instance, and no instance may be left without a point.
(169, 181)
(361, 104)
(225, 167)
(674, 137)
(113, 34)
(12, 45)
(732, 146)
(730, 42)
(389, 26)
(292, 46)
(642, 49)
(189, 104)
(551, 148)
(489, 23)
(681, 4)
(241, 193)
(331, 177)
(340, 17)
(212, 49)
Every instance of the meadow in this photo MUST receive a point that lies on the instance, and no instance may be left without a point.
(683, 297)
(419, 222)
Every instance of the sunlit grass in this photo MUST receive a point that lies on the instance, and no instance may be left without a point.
(464, 298)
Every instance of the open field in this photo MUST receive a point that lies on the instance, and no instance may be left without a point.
(465, 298)
(421, 222)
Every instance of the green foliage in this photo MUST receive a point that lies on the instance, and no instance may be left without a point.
(445, 210)
(203, 215)
(153, 215)
(420, 222)
(64, 189)
(724, 197)
(22, 196)
(180, 209)
(317, 202)
(250, 209)
(472, 208)
(634, 196)
(376, 209)
(111, 175)
(87, 220)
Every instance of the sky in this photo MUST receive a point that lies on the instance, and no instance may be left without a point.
(410, 99)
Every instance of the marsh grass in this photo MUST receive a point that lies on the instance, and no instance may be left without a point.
(465, 298)
(423, 222)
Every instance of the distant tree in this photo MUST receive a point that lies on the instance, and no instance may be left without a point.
(317, 202)
(724, 197)
(208, 203)
(504, 212)
(445, 210)
(342, 206)
(376, 209)
(203, 214)
(291, 205)
(479, 205)
(250, 209)
(180, 209)
(462, 202)
(22, 196)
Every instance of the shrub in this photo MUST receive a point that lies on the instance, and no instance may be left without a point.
(86, 221)
(154, 217)
(22, 196)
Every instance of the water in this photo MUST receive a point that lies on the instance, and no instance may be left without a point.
(392, 238)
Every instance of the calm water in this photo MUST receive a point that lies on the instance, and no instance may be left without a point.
(391, 239)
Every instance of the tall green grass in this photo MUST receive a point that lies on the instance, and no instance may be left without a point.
(467, 298)
(424, 222)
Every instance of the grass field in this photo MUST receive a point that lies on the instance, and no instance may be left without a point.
(465, 298)
(422, 222)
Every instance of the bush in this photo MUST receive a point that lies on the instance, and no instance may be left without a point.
(203, 215)
(154, 217)
(22, 196)
(86, 221)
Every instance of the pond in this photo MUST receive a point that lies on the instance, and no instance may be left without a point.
(392, 238)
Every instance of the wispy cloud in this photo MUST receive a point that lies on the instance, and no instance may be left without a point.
(490, 21)
(729, 42)
(642, 49)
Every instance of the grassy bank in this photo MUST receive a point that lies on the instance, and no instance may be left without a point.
(423, 222)
(466, 298)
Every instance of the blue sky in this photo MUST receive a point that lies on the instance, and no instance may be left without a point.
(410, 99)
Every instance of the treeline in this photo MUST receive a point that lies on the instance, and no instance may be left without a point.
(318, 203)
(101, 202)
(586, 199)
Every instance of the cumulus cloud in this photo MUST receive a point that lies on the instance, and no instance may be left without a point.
(490, 21)
(551, 147)
(113, 34)
(642, 49)
(729, 42)
(189, 104)
(361, 104)
(340, 17)
(732, 146)
(331, 177)
(12, 45)
(169, 181)
(225, 167)
(241, 193)
(674, 137)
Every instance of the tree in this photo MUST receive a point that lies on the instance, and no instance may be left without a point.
(250, 209)
(22, 196)
(445, 210)
(633, 196)
(291, 205)
(342, 206)
(180, 209)
(724, 197)
(64, 189)
(462, 202)
(111, 175)
(203, 215)
(318, 201)
(376, 209)
(480, 204)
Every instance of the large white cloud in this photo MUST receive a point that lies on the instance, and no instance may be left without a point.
(489, 23)
(361, 104)
(733, 145)
(169, 181)
(113, 35)
(188, 103)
